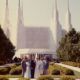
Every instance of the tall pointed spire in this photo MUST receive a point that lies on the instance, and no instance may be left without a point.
(6, 22)
(20, 25)
(55, 25)
(55, 4)
(68, 18)
(68, 4)
(20, 13)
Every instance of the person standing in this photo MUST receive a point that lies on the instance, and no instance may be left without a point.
(46, 66)
(33, 65)
(41, 67)
(37, 68)
(23, 64)
(28, 71)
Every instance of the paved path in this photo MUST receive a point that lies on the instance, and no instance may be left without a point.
(31, 79)
(7, 65)
(70, 67)
(13, 78)
(34, 79)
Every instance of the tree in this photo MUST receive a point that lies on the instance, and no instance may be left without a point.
(7, 50)
(69, 46)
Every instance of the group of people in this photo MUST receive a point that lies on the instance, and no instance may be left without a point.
(35, 67)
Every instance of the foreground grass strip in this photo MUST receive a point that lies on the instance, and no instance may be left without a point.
(12, 76)
(3, 77)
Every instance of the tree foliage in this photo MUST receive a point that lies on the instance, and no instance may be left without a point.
(6, 48)
(69, 46)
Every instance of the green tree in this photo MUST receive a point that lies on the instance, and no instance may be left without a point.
(69, 46)
(7, 50)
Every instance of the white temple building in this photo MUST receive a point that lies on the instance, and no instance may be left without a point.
(37, 40)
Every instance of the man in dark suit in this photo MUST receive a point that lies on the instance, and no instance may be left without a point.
(33, 65)
(23, 64)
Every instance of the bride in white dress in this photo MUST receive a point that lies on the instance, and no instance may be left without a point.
(28, 71)
(37, 69)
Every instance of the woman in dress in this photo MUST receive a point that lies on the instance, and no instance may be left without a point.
(37, 69)
(28, 71)
(41, 66)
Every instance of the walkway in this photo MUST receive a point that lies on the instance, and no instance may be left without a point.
(6, 65)
(34, 79)
(70, 67)
(31, 79)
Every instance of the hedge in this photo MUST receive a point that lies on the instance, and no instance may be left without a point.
(16, 71)
(3, 78)
(4, 70)
(55, 71)
(58, 68)
(67, 78)
(68, 72)
(45, 77)
(23, 79)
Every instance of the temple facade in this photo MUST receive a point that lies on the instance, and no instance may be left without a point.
(38, 40)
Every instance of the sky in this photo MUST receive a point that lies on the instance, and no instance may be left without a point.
(39, 12)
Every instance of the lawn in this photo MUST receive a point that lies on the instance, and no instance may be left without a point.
(12, 76)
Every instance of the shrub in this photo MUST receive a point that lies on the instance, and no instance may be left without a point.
(4, 78)
(23, 79)
(67, 78)
(4, 70)
(18, 64)
(68, 72)
(45, 77)
(16, 71)
(12, 66)
(55, 71)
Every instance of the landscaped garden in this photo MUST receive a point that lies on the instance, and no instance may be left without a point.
(56, 71)
(68, 51)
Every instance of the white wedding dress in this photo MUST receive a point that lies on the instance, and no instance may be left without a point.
(37, 69)
(28, 71)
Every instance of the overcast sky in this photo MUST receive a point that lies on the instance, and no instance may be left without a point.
(39, 12)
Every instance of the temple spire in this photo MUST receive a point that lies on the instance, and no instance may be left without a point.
(68, 18)
(20, 13)
(55, 25)
(68, 4)
(6, 21)
(20, 25)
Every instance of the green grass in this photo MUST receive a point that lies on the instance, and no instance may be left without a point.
(12, 76)
(18, 76)
(77, 74)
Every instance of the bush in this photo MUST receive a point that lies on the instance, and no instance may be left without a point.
(55, 72)
(45, 77)
(18, 64)
(4, 70)
(68, 72)
(4, 78)
(67, 78)
(16, 71)
(23, 79)
(12, 66)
